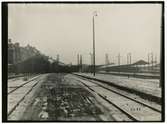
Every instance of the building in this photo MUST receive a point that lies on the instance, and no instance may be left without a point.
(14, 53)
(17, 54)
(10, 52)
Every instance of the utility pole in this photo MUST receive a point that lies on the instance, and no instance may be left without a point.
(94, 64)
(106, 60)
(78, 59)
(80, 63)
(119, 62)
(110, 61)
(57, 58)
(155, 59)
(119, 59)
(57, 63)
(130, 56)
(148, 60)
(127, 59)
(152, 60)
(91, 60)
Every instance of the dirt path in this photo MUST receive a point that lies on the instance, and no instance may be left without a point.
(62, 99)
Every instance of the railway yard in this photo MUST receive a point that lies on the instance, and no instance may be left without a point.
(82, 97)
(83, 61)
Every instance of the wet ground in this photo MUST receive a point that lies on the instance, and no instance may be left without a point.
(62, 99)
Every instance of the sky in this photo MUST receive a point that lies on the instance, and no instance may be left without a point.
(66, 29)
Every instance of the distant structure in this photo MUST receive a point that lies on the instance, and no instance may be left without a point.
(140, 63)
(17, 54)
(138, 66)
(14, 53)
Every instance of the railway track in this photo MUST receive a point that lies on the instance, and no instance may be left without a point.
(136, 110)
(145, 95)
(133, 75)
(18, 94)
(17, 87)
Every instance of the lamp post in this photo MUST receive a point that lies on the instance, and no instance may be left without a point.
(94, 66)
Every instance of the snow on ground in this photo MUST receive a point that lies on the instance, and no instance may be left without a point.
(14, 82)
(143, 85)
(110, 111)
(17, 95)
(131, 73)
(144, 114)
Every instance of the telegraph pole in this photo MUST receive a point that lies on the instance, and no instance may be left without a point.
(91, 60)
(152, 59)
(127, 58)
(106, 60)
(155, 59)
(148, 60)
(119, 62)
(81, 63)
(94, 64)
(57, 58)
(78, 61)
(130, 56)
(119, 59)
(57, 63)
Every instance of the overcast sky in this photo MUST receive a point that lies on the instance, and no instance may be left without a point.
(66, 29)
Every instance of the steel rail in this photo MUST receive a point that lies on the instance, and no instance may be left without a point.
(124, 95)
(10, 112)
(130, 90)
(35, 78)
(125, 112)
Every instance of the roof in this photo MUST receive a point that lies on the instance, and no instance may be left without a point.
(140, 62)
(110, 64)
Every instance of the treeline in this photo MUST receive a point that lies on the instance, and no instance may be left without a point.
(41, 64)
